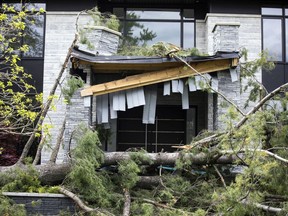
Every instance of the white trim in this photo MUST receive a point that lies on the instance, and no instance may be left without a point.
(231, 15)
(24, 194)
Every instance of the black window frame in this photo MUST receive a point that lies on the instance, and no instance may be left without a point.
(181, 20)
(283, 17)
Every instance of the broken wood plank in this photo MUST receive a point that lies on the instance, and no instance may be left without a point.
(157, 77)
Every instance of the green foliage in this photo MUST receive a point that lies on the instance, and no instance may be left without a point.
(84, 179)
(24, 181)
(104, 19)
(128, 171)
(161, 49)
(142, 209)
(19, 102)
(248, 73)
(8, 208)
(72, 85)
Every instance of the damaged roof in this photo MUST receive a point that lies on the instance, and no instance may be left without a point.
(142, 63)
(153, 69)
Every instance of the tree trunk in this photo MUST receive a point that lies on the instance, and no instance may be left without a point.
(170, 158)
(58, 143)
(55, 173)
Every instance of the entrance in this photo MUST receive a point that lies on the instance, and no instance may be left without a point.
(170, 129)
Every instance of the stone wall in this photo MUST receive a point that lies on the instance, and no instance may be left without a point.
(43, 204)
(59, 34)
(249, 37)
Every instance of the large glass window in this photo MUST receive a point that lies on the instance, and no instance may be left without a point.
(33, 36)
(149, 26)
(275, 41)
(275, 33)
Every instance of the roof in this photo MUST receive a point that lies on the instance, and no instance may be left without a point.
(143, 63)
(153, 69)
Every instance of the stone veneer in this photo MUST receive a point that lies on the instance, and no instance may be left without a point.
(248, 28)
(59, 34)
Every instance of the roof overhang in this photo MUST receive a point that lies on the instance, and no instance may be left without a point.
(156, 69)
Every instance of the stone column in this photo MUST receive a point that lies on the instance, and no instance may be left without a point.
(225, 39)
(82, 109)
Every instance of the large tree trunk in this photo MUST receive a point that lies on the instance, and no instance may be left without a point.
(55, 173)
(170, 158)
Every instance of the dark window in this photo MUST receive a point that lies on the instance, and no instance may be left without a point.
(169, 129)
(275, 41)
(143, 26)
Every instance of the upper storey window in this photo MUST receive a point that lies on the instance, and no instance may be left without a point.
(275, 33)
(143, 26)
(33, 34)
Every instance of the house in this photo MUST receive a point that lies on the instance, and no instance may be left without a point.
(208, 25)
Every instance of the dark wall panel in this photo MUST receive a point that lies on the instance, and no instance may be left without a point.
(236, 7)
(275, 78)
(35, 68)
(68, 5)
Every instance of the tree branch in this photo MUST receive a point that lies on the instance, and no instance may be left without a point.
(45, 109)
(79, 202)
(58, 143)
(263, 207)
(208, 84)
(127, 202)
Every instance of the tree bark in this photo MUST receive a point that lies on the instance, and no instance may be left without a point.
(39, 149)
(55, 173)
(58, 143)
(170, 158)
(127, 202)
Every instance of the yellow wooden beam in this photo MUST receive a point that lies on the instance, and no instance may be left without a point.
(158, 76)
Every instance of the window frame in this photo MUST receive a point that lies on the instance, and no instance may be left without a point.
(21, 55)
(284, 37)
(181, 21)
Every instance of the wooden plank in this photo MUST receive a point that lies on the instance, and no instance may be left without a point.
(156, 77)
(114, 67)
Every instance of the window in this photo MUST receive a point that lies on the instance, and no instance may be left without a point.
(275, 33)
(275, 41)
(33, 36)
(148, 26)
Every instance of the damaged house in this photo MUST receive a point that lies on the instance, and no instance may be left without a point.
(156, 102)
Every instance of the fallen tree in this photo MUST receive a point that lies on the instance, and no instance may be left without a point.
(196, 183)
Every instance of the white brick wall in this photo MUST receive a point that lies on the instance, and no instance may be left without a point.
(59, 34)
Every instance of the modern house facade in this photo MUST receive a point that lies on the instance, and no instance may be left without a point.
(209, 25)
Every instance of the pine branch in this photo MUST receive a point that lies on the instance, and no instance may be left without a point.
(258, 150)
(216, 137)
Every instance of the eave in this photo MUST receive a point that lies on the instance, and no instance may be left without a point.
(156, 69)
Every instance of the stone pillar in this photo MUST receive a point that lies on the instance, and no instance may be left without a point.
(82, 110)
(225, 39)
(77, 112)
